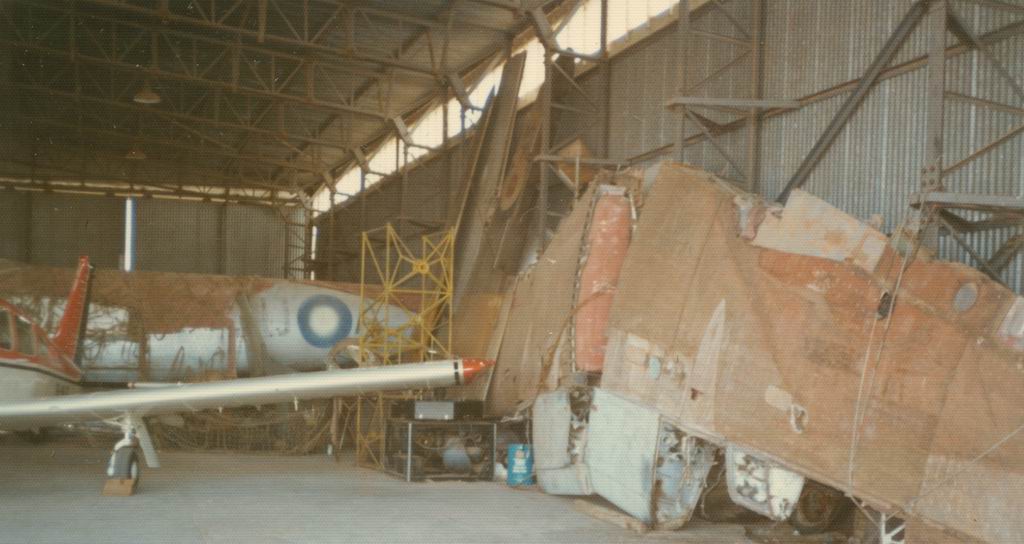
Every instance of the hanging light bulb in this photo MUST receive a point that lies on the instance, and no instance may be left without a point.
(146, 95)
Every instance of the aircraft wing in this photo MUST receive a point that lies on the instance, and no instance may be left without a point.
(138, 403)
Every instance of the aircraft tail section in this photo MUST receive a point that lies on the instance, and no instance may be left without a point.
(71, 330)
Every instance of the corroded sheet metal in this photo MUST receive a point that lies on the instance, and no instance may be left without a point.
(170, 327)
(558, 302)
(606, 244)
(815, 228)
(801, 354)
(535, 353)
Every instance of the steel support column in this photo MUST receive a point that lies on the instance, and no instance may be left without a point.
(931, 178)
(545, 144)
(757, 25)
(682, 45)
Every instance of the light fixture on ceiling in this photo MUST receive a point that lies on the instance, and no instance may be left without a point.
(146, 95)
(135, 154)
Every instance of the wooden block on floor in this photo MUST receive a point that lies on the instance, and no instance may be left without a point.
(116, 487)
(604, 513)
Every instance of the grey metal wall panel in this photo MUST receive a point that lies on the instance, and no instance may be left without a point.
(295, 245)
(173, 236)
(63, 227)
(256, 239)
(179, 236)
(425, 198)
(15, 233)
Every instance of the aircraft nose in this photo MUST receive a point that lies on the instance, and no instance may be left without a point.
(472, 367)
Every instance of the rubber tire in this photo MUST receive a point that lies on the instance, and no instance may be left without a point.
(126, 466)
(819, 509)
(34, 436)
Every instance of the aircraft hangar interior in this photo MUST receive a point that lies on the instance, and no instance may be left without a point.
(727, 271)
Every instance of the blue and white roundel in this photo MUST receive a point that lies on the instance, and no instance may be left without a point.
(324, 321)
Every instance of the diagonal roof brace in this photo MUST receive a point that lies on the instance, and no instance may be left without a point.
(402, 130)
(459, 88)
(545, 33)
(547, 37)
(360, 157)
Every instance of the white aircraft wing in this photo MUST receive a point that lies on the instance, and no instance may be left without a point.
(138, 403)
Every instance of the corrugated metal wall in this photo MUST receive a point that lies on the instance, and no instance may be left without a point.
(63, 227)
(15, 225)
(179, 236)
(256, 241)
(811, 46)
(423, 199)
(171, 236)
(54, 230)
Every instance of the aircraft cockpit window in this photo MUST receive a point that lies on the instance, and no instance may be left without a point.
(26, 340)
(6, 342)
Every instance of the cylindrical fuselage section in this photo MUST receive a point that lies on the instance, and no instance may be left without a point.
(159, 326)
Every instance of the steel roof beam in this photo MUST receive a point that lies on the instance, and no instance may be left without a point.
(387, 127)
(508, 5)
(429, 23)
(275, 54)
(112, 188)
(266, 37)
(45, 163)
(159, 73)
(173, 115)
(204, 150)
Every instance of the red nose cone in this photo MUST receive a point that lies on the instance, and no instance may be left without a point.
(472, 367)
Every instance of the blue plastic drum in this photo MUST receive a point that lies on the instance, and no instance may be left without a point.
(520, 465)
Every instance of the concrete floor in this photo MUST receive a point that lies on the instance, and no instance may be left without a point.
(50, 493)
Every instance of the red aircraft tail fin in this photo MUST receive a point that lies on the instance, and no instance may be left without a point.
(71, 330)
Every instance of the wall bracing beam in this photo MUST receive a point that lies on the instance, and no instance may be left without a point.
(892, 46)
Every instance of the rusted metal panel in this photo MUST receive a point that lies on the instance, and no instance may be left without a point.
(606, 245)
(804, 357)
(812, 227)
(534, 352)
(481, 194)
(168, 326)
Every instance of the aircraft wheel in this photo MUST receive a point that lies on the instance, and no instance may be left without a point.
(818, 509)
(124, 465)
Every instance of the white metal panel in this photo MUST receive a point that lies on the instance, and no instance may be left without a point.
(621, 453)
(552, 422)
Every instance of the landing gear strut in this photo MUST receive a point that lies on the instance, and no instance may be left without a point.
(124, 469)
(122, 472)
